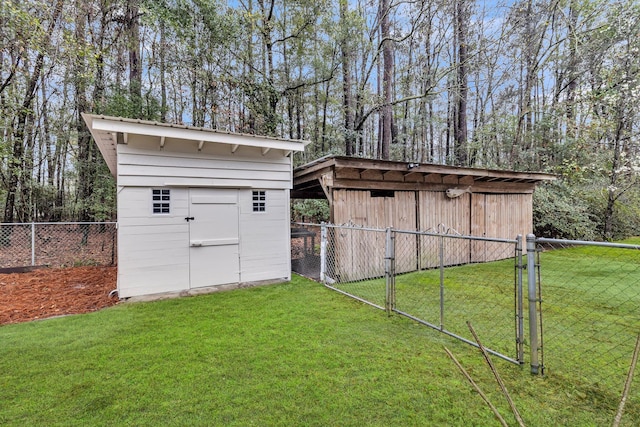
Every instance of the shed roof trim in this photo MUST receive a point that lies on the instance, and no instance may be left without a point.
(361, 173)
(105, 131)
(427, 168)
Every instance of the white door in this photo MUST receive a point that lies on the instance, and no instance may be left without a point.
(214, 256)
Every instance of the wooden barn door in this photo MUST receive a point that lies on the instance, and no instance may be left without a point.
(214, 256)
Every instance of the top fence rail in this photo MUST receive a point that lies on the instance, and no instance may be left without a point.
(561, 242)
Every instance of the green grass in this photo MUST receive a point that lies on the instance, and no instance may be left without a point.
(591, 309)
(591, 301)
(288, 354)
(480, 293)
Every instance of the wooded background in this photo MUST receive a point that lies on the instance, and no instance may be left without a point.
(547, 85)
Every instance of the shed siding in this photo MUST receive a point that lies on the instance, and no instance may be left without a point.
(508, 215)
(143, 166)
(154, 248)
(264, 237)
(360, 208)
(440, 214)
(501, 216)
(477, 214)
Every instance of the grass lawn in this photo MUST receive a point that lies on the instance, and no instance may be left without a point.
(591, 315)
(289, 354)
(483, 294)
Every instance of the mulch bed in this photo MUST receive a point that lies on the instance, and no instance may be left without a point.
(49, 292)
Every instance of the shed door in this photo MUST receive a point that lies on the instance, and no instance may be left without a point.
(214, 256)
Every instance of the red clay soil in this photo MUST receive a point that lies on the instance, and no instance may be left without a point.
(49, 292)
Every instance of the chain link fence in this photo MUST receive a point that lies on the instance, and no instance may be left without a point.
(588, 308)
(440, 280)
(353, 262)
(580, 320)
(578, 325)
(63, 244)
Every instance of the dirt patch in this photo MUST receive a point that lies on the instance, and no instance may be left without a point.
(49, 292)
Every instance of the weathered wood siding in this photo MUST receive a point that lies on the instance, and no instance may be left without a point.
(440, 214)
(501, 216)
(358, 254)
(506, 215)
(358, 207)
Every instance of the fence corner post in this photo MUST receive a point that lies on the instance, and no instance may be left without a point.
(323, 251)
(533, 313)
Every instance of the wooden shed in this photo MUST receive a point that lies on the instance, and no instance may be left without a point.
(197, 208)
(423, 197)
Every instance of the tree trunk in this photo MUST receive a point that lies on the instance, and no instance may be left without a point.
(86, 164)
(613, 178)
(162, 71)
(247, 66)
(387, 80)
(572, 77)
(347, 96)
(270, 98)
(325, 107)
(135, 72)
(460, 122)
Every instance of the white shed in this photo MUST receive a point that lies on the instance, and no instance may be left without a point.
(197, 208)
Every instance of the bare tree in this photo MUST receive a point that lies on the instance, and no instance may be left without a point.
(132, 20)
(461, 94)
(387, 80)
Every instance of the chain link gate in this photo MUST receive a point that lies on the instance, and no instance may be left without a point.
(439, 280)
(449, 280)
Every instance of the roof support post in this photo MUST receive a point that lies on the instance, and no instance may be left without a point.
(326, 182)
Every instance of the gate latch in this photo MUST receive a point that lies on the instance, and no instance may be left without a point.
(189, 218)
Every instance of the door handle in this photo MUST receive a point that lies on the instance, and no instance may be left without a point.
(189, 218)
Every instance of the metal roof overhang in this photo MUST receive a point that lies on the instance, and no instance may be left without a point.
(110, 131)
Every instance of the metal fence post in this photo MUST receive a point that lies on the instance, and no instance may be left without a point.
(389, 271)
(533, 313)
(323, 251)
(441, 256)
(519, 301)
(33, 244)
